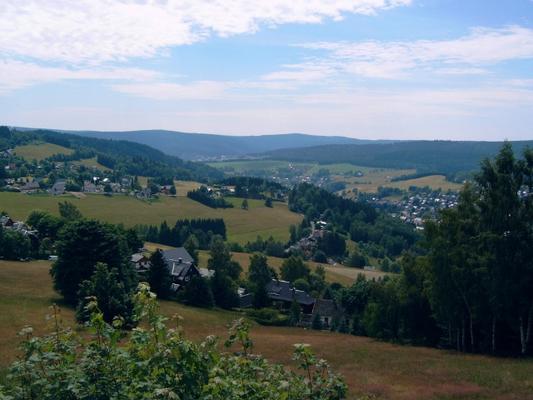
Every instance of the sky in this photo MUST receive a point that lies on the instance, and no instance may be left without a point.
(373, 69)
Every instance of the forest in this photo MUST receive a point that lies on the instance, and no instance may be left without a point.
(424, 156)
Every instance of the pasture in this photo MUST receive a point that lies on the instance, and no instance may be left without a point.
(40, 151)
(382, 370)
(242, 225)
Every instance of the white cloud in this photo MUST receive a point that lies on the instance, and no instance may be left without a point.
(201, 90)
(96, 31)
(391, 60)
(17, 75)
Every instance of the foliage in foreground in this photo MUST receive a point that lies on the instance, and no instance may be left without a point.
(156, 362)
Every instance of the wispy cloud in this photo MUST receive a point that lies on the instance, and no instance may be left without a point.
(467, 55)
(17, 75)
(97, 31)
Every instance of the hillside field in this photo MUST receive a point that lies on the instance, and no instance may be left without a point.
(369, 182)
(384, 370)
(40, 151)
(242, 225)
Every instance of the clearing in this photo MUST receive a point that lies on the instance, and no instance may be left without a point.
(387, 371)
(40, 151)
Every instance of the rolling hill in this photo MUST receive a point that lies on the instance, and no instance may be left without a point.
(444, 157)
(201, 146)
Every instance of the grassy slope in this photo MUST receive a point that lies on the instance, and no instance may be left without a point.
(242, 225)
(433, 181)
(386, 370)
(40, 151)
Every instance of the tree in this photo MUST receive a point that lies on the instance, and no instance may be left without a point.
(320, 257)
(172, 190)
(316, 323)
(259, 275)
(294, 268)
(80, 246)
(220, 260)
(192, 245)
(268, 202)
(295, 313)
(356, 260)
(198, 293)
(159, 276)
(112, 298)
(108, 190)
(224, 291)
(244, 204)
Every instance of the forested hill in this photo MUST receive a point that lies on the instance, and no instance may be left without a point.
(199, 146)
(444, 157)
(133, 158)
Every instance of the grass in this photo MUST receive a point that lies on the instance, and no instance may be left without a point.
(385, 370)
(40, 151)
(433, 181)
(91, 163)
(242, 225)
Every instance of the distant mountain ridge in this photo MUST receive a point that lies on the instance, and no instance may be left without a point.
(203, 146)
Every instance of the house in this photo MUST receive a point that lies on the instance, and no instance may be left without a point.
(327, 311)
(89, 187)
(181, 266)
(283, 293)
(58, 188)
(140, 262)
(30, 186)
(245, 298)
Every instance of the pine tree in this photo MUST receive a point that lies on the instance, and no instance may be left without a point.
(159, 276)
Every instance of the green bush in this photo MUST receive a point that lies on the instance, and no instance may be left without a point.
(269, 317)
(155, 362)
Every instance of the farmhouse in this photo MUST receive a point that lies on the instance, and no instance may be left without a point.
(58, 188)
(283, 293)
(181, 266)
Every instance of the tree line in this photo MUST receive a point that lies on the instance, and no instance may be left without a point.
(206, 197)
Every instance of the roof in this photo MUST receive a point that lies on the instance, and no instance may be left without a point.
(284, 291)
(245, 300)
(206, 273)
(135, 258)
(181, 270)
(325, 308)
(178, 254)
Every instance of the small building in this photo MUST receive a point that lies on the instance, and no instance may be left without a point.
(140, 262)
(327, 311)
(58, 188)
(181, 266)
(89, 187)
(283, 293)
(245, 298)
(30, 187)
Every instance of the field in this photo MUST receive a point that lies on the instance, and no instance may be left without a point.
(40, 151)
(371, 178)
(91, 163)
(433, 181)
(242, 225)
(384, 370)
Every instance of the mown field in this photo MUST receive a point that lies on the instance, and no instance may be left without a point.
(433, 181)
(40, 151)
(242, 225)
(384, 370)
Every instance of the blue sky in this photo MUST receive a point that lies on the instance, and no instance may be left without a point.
(409, 69)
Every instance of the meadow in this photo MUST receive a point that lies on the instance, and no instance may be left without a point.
(383, 370)
(40, 151)
(242, 225)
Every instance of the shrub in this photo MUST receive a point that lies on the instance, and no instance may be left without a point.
(155, 362)
(268, 316)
